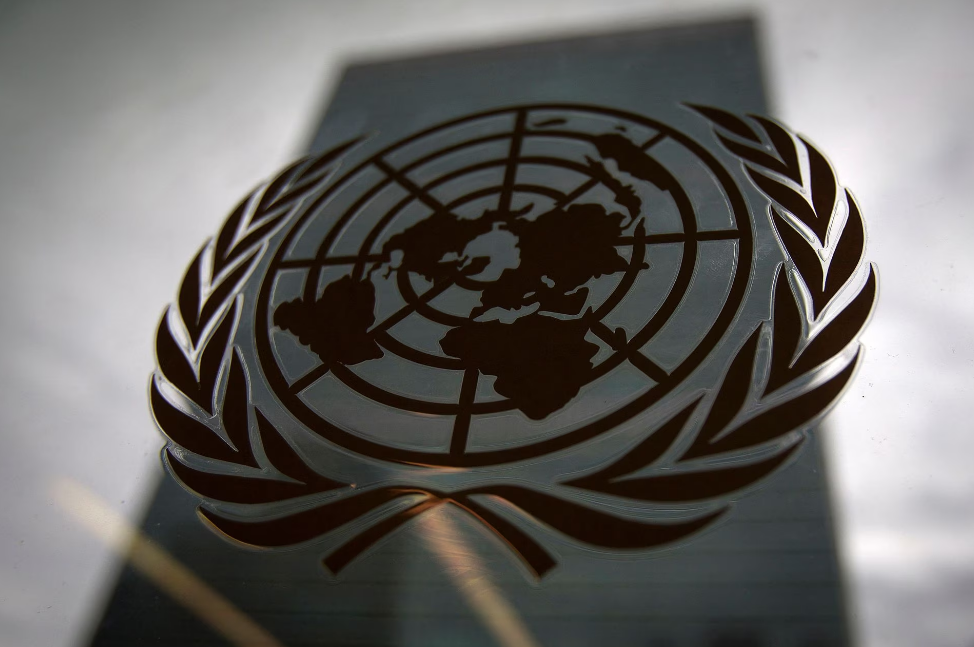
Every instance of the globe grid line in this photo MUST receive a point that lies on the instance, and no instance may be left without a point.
(461, 423)
(513, 161)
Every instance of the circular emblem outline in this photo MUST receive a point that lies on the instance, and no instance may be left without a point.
(288, 393)
(786, 376)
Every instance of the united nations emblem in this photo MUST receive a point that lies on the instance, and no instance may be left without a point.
(568, 321)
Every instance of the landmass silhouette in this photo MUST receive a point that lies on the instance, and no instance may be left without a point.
(540, 362)
(560, 250)
(335, 327)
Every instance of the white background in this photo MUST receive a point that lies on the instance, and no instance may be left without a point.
(128, 129)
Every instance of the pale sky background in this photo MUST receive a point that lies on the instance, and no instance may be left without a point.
(128, 129)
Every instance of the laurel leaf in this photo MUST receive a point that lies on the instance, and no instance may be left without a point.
(344, 554)
(304, 525)
(644, 454)
(789, 199)
(228, 232)
(698, 485)
(296, 193)
(274, 189)
(592, 526)
(727, 121)
(280, 193)
(286, 460)
(534, 556)
(172, 361)
(236, 406)
(782, 419)
(848, 252)
(311, 176)
(754, 155)
(829, 342)
(784, 145)
(211, 359)
(730, 397)
(254, 489)
(786, 333)
(189, 297)
(186, 431)
(823, 189)
(839, 333)
(220, 295)
(254, 237)
(175, 366)
(806, 261)
(233, 488)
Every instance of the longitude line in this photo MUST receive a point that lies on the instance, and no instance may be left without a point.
(504, 202)
(461, 425)
(412, 187)
(574, 195)
(652, 141)
(651, 369)
(636, 358)
(407, 309)
(309, 378)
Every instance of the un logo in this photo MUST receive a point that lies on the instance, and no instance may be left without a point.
(513, 312)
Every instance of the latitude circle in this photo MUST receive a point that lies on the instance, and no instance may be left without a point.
(292, 401)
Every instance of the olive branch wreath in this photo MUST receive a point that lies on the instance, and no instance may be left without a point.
(762, 402)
